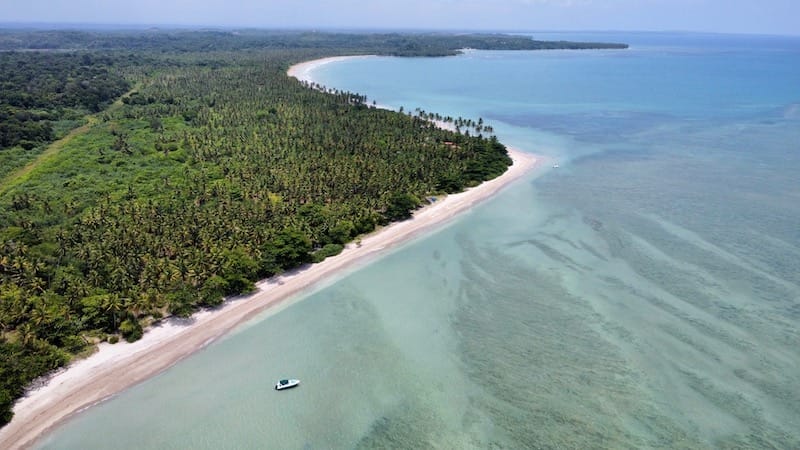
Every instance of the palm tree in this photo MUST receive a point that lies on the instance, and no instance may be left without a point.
(114, 304)
(27, 336)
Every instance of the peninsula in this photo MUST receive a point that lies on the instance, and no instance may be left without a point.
(150, 176)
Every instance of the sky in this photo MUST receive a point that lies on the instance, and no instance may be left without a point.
(723, 16)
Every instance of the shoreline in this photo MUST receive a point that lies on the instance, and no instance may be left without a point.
(302, 71)
(116, 367)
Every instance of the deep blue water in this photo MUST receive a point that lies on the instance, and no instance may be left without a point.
(644, 294)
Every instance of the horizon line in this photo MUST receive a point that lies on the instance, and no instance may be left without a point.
(109, 26)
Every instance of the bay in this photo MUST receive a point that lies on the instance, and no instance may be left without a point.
(644, 294)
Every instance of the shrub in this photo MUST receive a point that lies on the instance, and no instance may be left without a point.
(326, 251)
(400, 206)
(131, 330)
(6, 403)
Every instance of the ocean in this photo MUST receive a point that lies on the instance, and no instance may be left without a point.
(645, 293)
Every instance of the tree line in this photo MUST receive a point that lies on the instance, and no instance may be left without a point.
(397, 44)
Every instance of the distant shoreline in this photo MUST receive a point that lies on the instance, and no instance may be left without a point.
(114, 368)
(302, 71)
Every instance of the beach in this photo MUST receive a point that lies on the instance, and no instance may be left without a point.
(302, 71)
(114, 368)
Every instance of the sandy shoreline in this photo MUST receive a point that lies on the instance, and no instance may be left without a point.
(302, 71)
(114, 368)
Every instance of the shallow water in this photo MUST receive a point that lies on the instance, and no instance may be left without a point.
(644, 294)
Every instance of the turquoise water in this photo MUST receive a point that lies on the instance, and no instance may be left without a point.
(644, 294)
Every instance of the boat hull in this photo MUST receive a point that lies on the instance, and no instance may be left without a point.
(286, 384)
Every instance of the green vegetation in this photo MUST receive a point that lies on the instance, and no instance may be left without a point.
(44, 95)
(398, 44)
(214, 169)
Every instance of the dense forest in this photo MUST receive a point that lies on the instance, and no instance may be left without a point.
(397, 44)
(149, 174)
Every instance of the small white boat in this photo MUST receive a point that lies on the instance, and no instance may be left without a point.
(555, 166)
(286, 384)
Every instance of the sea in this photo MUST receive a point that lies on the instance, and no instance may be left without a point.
(644, 293)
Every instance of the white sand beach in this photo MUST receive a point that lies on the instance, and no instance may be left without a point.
(114, 368)
(302, 71)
